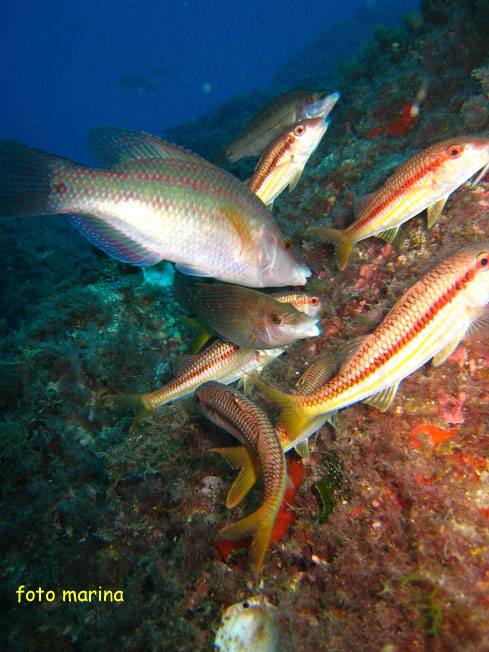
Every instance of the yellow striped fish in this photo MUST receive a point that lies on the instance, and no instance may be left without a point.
(240, 416)
(221, 361)
(426, 180)
(282, 163)
(428, 322)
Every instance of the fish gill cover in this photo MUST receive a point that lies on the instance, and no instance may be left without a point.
(401, 563)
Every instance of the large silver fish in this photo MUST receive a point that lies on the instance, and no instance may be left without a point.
(155, 202)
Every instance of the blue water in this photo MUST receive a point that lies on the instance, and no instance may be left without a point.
(66, 67)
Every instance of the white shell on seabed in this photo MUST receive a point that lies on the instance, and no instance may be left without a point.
(248, 626)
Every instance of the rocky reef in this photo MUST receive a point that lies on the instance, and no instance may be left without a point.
(389, 546)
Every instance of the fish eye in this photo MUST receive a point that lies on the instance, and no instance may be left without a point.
(287, 244)
(313, 301)
(276, 318)
(311, 99)
(299, 130)
(246, 605)
(454, 151)
(482, 261)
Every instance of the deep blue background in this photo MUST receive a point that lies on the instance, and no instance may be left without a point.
(60, 61)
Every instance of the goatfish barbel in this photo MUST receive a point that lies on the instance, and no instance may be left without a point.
(283, 162)
(275, 117)
(155, 202)
(426, 180)
(247, 317)
(449, 304)
(240, 416)
(221, 361)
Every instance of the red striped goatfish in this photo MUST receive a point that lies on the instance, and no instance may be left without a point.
(221, 361)
(284, 160)
(240, 416)
(426, 180)
(428, 322)
(281, 113)
(154, 202)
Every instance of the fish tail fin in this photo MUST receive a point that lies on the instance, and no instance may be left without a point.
(133, 401)
(25, 180)
(343, 246)
(293, 417)
(259, 527)
(240, 457)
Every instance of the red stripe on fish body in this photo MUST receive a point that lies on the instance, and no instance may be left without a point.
(421, 181)
(434, 314)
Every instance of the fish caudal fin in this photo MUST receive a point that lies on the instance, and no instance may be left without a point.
(343, 246)
(292, 418)
(25, 180)
(259, 527)
(240, 457)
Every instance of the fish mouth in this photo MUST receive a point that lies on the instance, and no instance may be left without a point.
(313, 330)
(322, 106)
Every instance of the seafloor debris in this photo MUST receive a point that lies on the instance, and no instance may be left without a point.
(248, 626)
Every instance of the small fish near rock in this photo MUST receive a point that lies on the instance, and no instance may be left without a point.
(249, 626)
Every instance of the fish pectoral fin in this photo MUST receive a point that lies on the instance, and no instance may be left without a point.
(113, 242)
(481, 175)
(383, 400)
(302, 449)
(240, 457)
(191, 270)
(259, 527)
(435, 210)
(295, 180)
(389, 235)
(479, 325)
(445, 353)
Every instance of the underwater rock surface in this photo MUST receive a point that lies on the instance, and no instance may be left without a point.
(399, 561)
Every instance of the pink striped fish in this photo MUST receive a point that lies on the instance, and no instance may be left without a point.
(155, 202)
(426, 180)
(428, 322)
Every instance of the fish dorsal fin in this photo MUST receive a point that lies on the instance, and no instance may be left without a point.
(389, 235)
(240, 457)
(361, 203)
(349, 350)
(479, 325)
(113, 242)
(115, 146)
(383, 400)
(435, 210)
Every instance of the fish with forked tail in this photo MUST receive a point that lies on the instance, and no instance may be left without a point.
(426, 180)
(275, 117)
(449, 304)
(155, 202)
(240, 416)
